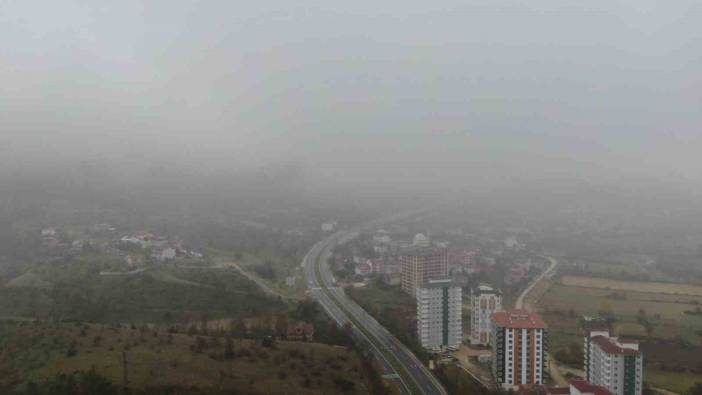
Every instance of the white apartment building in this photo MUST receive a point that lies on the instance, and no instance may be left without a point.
(613, 363)
(439, 315)
(485, 301)
(519, 346)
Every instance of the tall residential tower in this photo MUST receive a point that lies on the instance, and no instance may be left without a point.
(439, 315)
(613, 363)
(421, 264)
(519, 346)
(485, 301)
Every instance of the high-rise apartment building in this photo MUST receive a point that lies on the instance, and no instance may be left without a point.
(421, 264)
(613, 363)
(439, 315)
(519, 345)
(485, 301)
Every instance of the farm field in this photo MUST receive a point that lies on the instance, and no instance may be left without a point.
(672, 381)
(622, 271)
(666, 311)
(639, 286)
(672, 345)
(156, 357)
(75, 294)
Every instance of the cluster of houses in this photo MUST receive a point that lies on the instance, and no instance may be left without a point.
(103, 237)
(58, 244)
(162, 248)
(378, 256)
(51, 239)
(387, 267)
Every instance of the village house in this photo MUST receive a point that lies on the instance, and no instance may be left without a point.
(300, 331)
(329, 226)
(364, 269)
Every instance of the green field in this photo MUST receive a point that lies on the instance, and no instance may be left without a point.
(657, 287)
(677, 333)
(380, 296)
(666, 311)
(38, 351)
(672, 381)
(624, 266)
(159, 294)
(457, 381)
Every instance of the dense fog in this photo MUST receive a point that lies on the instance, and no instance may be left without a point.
(398, 96)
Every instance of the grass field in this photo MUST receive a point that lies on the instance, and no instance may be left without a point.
(674, 342)
(629, 329)
(29, 279)
(623, 271)
(672, 381)
(637, 286)
(666, 311)
(183, 294)
(39, 351)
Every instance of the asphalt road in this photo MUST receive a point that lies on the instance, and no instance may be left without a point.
(520, 300)
(521, 304)
(387, 349)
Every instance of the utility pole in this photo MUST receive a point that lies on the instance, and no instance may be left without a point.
(124, 370)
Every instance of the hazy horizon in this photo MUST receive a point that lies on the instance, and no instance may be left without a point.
(405, 95)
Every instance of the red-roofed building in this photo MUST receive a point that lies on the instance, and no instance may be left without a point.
(421, 264)
(300, 331)
(519, 319)
(535, 389)
(364, 269)
(576, 387)
(518, 341)
(613, 363)
(583, 387)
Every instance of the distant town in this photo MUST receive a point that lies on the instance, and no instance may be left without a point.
(504, 343)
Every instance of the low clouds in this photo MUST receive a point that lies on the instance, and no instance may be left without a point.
(400, 93)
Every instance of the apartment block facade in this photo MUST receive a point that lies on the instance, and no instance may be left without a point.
(421, 264)
(519, 342)
(485, 301)
(439, 315)
(613, 363)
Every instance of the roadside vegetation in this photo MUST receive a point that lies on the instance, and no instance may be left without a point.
(458, 381)
(392, 308)
(36, 354)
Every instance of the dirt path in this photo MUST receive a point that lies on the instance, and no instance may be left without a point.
(261, 284)
(479, 373)
(556, 374)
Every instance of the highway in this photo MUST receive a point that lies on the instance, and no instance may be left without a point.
(397, 360)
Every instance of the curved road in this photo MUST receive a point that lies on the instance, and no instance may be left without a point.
(520, 300)
(397, 361)
(552, 365)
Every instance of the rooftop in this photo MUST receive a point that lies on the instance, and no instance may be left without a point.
(518, 319)
(422, 251)
(487, 289)
(539, 389)
(437, 283)
(610, 346)
(585, 387)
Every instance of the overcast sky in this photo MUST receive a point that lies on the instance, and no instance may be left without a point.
(365, 91)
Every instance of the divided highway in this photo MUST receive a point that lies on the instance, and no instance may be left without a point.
(397, 360)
